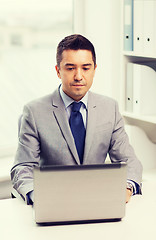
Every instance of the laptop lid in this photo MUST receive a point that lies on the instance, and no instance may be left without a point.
(79, 193)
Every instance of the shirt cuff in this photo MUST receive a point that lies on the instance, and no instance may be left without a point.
(136, 187)
(30, 198)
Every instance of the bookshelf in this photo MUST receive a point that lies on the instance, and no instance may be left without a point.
(136, 55)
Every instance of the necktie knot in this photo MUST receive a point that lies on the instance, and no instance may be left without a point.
(76, 106)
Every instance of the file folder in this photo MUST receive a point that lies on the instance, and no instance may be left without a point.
(128, 25)
(142, 88)
(144, 26)
(138, 26)
(149, 27)
(129, 88)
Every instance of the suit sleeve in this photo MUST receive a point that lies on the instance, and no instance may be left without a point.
(121, 151)
(27, 155)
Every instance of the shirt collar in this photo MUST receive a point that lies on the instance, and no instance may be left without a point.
(68, 100)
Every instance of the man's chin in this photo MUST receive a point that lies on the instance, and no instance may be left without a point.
(78, 95)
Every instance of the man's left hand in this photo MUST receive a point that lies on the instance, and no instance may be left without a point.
(128, 195)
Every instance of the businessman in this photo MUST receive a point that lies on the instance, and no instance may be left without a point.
(72, 125)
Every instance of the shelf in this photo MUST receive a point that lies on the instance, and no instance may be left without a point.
(150, 57)
(147, 123)
(141, 59)
(145, 118)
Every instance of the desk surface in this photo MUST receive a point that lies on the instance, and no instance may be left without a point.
(16, 221)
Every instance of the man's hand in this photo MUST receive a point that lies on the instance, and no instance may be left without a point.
(128, 195)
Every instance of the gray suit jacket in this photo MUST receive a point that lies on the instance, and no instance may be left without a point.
(45, 136)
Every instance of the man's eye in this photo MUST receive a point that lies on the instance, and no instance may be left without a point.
(70, 69)
(85, 69)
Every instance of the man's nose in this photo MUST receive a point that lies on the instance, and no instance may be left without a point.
(78, 75)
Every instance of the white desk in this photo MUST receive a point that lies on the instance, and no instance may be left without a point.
(16, 221)
(5, 180)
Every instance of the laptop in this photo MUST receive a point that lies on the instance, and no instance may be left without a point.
(79, 193)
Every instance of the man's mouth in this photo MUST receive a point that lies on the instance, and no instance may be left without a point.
(78, 85)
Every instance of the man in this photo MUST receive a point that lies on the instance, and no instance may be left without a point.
(47, 132)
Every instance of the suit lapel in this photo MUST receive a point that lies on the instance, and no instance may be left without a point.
(62, 120)
(91, 124)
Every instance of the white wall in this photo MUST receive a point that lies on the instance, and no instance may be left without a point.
(144, 148)
(102, 26)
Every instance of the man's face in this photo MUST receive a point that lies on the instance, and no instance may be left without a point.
(76, 72)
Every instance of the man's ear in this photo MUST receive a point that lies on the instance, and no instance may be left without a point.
(58, 71)
(95, 67)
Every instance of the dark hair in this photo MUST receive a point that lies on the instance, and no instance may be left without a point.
(74, 42)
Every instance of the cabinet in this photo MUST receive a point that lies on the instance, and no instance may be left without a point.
(135, 19)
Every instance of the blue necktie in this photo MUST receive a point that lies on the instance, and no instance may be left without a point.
(77, 128)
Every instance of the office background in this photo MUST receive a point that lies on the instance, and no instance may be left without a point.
(29, 33)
